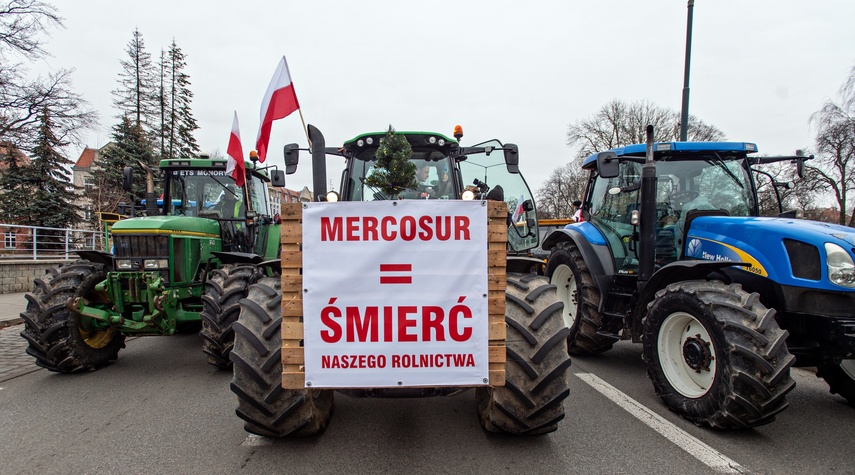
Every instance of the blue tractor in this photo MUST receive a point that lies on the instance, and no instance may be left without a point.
(672, 253)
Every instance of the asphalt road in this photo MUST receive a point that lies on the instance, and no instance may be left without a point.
(162, 409)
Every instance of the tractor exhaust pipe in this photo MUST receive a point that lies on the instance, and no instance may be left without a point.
(319, 162)
(647, 223)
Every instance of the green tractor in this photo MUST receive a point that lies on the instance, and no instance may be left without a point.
(276, 395)
(189, 261)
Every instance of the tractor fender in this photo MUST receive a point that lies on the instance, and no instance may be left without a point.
(97, 257)
(680, 271)
(525, 265)
(238, 257)
(594, 250)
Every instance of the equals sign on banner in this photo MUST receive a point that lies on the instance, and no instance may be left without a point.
(385, 269)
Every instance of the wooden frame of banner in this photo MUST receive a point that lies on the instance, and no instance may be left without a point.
(293, 359)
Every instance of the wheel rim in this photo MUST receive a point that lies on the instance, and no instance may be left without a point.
(848, 367)
(565, 281)
(686, 355)
(97, 338)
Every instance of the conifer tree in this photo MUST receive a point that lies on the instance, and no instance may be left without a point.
(51, 203)
(129, 147)
(15, 194)
(136, 96)
(393, 171)
(182, 123)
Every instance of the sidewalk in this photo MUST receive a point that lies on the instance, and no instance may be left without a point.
(11, 306)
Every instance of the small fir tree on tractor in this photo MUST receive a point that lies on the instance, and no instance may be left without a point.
(394, 172)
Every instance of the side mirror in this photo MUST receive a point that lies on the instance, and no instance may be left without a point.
(277, 178)
(527, 205)
(128, 179)
(292, 158)
(608, 165)
(512, 158)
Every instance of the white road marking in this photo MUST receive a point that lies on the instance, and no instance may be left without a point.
(253, 440)
(694, 447)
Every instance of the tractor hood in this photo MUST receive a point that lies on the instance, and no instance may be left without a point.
(173, 225)
(789, 251)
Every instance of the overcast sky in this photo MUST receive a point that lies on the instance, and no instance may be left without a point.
(519, 71)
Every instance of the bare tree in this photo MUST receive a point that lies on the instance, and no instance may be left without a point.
(564, 185)
(619, 123)
(835, 147)
(23, 26)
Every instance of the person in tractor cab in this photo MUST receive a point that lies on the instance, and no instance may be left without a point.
(230, 202)
(424, 188)
(443, 187)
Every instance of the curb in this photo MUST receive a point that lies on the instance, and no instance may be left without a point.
(12, 322)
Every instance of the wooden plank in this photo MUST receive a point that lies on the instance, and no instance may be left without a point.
(497, 331)
(292, 330)
(293, 380)
(291, 211)
(497, 377)
(293, 355)
(497, 354)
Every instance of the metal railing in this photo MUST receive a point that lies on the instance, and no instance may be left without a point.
(36, 242)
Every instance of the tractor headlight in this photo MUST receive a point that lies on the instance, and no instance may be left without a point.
(151, 264)
(332, 197)
(468, 195)
(124, 264)
(841, 268)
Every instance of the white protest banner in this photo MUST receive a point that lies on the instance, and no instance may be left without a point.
(395, 293)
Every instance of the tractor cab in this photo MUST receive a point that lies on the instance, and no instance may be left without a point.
(445, 170)
(693, 179)
(192, 189)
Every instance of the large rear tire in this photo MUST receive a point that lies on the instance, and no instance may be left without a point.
(567, 270)
(266, 408)
(840, 379)
(62, 340)
(220, 309)
(532, 400)
(716, 355)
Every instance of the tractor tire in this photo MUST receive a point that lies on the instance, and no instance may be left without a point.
(266, 408)
(220, 309)
(716, 355)
(62, 340)
(566, 269)
(840, 379)
(532, 400)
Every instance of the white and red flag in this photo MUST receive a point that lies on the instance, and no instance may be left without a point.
(235, 165)
(518, 211)
(279, 101)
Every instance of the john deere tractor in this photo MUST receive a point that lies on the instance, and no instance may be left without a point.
(672, 253)
(188, 262)
(527, 384)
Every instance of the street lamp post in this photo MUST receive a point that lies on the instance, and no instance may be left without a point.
(684, 114)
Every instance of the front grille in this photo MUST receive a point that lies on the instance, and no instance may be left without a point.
(141, 246)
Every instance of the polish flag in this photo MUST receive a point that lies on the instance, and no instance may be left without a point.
(518, 211)
(279, 101)
(235, 164)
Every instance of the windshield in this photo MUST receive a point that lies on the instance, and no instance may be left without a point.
(202, 193)
(435, 178)
(707, 183)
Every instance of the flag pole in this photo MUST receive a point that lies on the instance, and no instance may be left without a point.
(305, 129)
